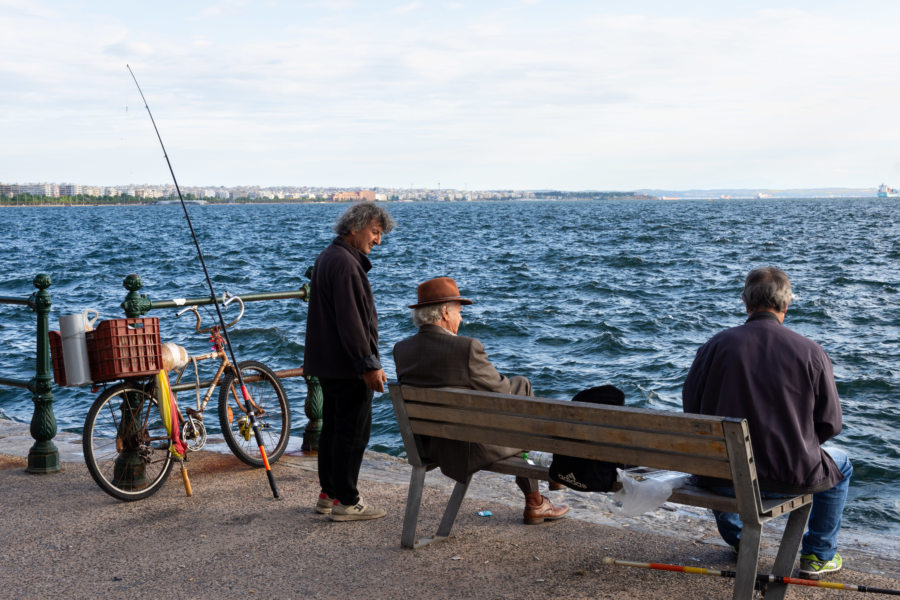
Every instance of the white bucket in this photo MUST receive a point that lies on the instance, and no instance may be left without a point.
(74, 346)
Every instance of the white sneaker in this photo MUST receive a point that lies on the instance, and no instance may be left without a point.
(324, 504)
(357, 512)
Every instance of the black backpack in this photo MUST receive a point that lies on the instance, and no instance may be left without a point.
(584, 474)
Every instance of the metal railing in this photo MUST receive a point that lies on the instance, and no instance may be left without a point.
(43, 457)
(136, 304)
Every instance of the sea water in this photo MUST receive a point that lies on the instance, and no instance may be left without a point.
(570, 294)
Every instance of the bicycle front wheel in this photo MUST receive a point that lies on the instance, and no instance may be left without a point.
(270, 407)
(126, 447)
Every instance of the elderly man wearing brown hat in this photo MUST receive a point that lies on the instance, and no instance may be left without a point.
(437, 357)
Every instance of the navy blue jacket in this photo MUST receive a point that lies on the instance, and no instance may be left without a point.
(342, 324)
(783, 384)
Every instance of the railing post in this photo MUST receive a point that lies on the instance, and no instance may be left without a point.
(43, 457)
(313, 410)
(134, 304)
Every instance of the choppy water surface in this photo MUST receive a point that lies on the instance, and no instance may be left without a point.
(570, 294)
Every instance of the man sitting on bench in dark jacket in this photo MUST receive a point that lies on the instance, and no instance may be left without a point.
(437, 357)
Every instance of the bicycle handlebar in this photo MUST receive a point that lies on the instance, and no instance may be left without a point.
(226, 300)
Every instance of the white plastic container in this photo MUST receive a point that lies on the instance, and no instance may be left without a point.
(72, 330)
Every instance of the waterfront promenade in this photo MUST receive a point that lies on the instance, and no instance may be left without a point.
(64, 538)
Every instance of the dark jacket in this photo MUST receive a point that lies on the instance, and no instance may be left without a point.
(783, 384)
(435, 357)
(342, 324)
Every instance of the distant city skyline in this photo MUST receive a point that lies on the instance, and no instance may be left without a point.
(381, 193)
(500, 94)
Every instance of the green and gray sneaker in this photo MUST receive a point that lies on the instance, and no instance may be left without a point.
(812, 567)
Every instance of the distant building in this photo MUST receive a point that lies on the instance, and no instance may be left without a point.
(69, 189)
(149, 193)
(368, 195)
(50, 190)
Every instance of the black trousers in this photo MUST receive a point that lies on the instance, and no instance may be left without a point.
(346, 425)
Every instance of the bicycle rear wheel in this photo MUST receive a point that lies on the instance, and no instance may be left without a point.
(270, 409)
(126, 447)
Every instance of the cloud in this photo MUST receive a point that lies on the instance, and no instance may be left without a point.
(407, 8)
(129, 49)
(224, 7)
(451, 85)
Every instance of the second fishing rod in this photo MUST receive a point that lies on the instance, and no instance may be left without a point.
(246, 395)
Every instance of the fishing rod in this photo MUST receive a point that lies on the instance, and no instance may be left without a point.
(761, 578)
(247, 400)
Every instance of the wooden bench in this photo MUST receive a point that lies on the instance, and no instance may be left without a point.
(696, 444)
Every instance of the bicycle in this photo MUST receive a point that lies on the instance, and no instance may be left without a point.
(127, 446)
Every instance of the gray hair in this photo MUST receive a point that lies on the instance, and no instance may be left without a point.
(768, 287)
(358, 216)
(428, 314)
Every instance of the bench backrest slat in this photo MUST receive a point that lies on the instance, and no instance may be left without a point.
(636, 433)
(633, 455)
(561, 409)
(659, 439)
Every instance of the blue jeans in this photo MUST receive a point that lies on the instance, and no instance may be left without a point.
(824, 518)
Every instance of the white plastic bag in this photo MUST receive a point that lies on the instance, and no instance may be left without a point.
(643, 491)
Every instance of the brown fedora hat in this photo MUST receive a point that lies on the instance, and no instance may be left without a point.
(438, 290)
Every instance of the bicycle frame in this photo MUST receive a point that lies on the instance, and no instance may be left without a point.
(219, 352)
(131, 462)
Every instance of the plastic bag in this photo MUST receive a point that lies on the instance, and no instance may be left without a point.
(643, 490)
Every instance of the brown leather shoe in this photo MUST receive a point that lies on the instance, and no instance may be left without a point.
(544, 511)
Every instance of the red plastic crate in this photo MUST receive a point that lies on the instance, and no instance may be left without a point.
(56, 358)
(122, 348)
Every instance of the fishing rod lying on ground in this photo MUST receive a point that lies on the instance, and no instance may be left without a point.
(247, 400)
(761, 578)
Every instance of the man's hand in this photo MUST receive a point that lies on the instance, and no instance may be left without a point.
(375, 380)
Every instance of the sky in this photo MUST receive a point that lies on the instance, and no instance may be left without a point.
(467, 95)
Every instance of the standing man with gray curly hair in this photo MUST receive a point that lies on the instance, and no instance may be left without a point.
(342, 351)
(783, 384)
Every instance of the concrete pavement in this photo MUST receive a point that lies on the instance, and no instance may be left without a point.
(62, 537)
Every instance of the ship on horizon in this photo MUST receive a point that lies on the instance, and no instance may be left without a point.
(886, 192)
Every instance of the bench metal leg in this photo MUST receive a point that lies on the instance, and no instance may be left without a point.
(787, 551)
(413, 502)
(459, 492)
(747, 562)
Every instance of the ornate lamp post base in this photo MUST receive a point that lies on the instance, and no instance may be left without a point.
(43, 456)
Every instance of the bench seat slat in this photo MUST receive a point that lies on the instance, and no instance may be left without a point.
(687, 494)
